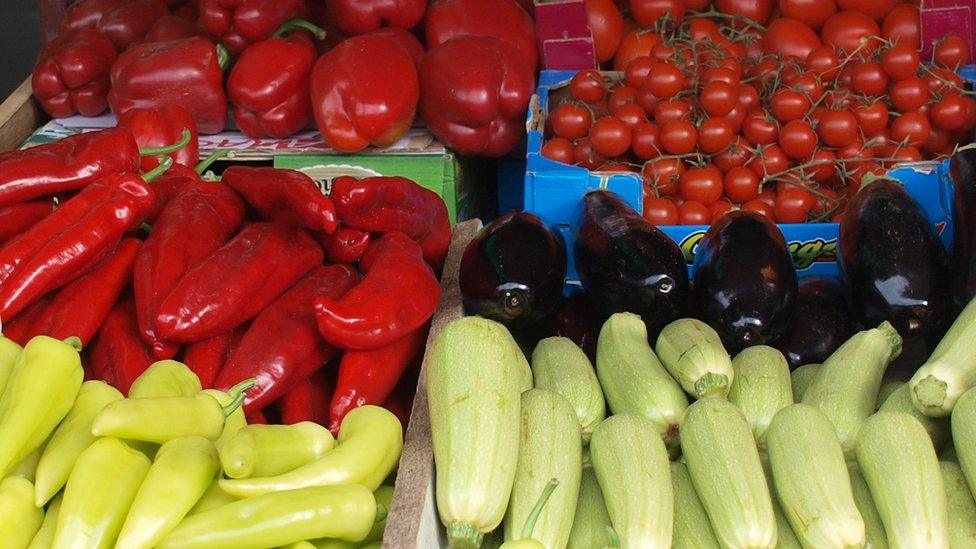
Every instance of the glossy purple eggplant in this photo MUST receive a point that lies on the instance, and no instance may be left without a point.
(821, 322)
(962, 169)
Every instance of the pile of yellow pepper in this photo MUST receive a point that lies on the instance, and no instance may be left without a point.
(173, 466)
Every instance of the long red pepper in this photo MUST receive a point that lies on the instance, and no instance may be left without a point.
(256, 418)
(206, 358)
(236, 282)
(369, 377)
(283, 346)
(196, 222)
(117, 355)
(397, 296)
(18, 218)
(18, 328)
(79, 308)
(307, 401)
(284, 196)
(345, 246)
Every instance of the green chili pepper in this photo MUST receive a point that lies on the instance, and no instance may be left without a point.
(384, 498)
(214, 497)
(234, 422)
(370, 442)
(9, 351)
(270, 520)
(46, 379)
(526, 541)
(19, 519)
(45, 536)
(27, 467)
(379, 545)
(98, 495)
(308, 545)
(269, 450)
(166, 378)
(71, 438)
(161, 419)
(184, 469)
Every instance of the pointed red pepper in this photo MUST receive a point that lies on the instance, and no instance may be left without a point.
(288, 197)
(117, 355)
(206, 358)
(18, 329)
(345, 246)
(161, 127)
(397, 296)
(354, 17)
(307, 401)
(282, 346)
(129, 22)
(237, 23)
(17, 218)
(71, 74)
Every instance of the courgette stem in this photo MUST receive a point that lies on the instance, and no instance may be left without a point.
(951, 370)
(462, 535)
(712, 384)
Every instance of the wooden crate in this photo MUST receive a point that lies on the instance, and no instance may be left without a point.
(20, 115)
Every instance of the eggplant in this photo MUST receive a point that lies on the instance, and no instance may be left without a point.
(745, 283)
(627, 264)
(513, 271)
(821, 322)
(962, 170)
(894, 265)
(574, 318)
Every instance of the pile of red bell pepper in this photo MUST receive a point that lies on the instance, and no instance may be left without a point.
(116, 238)
(363, 85)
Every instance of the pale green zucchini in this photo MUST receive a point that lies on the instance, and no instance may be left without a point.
(474, 387)
(874, 532)
(721, 454)
(694, 355)
(560, 365)
(631, 464)
(761, 387)
(887, 389)
(633, 379)
(948, 452)
(692, 529)
(811, 479)
(785, 539)
(961, 507)
(964, 436)
(901, 401)
(802, 378)
(846, 388)
(896, 457)
(951, 370)
(550, 447)
(592, 519)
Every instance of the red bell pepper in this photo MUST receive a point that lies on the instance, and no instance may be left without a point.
(384, 204)
(505, 20)
(196, 222)
(345, 246)
(117, 355)
(67, 164)
(369, 377)
(236, 282)
(162, 127)
(206, 358)
(79, 308)
(354, 17)
(307, 401)
(173, 27)
(19, 328)
(476, 91)
(129, 22)
(288, 197)
(405, 40)
(282, 346)
(365, 92)
(16, 219)
(86, 14)
(71, 74)
(237, 23)
(188, 73)
(269, 84)
(397, 296)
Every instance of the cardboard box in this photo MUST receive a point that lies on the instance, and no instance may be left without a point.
(565, 40)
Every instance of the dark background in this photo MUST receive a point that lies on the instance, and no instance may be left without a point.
(19, 42)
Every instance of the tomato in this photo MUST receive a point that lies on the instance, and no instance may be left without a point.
(570, 121)
(869, 78)
(845, 29)
(875, 9)
(793, 204)
(903, 26)
(631, 113)
(790, 38)
(615, 167)
(951, 52)
(636, 43)
(647, 12)
(941, 80)
(637, 70)
(969, 121)
(823, 62)
(748, 98)
(826, 167)
(838, 128)
(789, 105)
(665, 80)
(719, 209)
(646, 99)
(906, 154)
(949, 113)
(558, 149)
(718, 98)
(908, 94)
(741, 184)
(701, 184)
(662, 52)
(646, 140)
(771, 160)
(737, 154)
(812, 13)
(660, 211)
(678, 136)
(912, 128)
(663, 174)
(702, 29)
(606, 24)
(901, 61)
(621, 96)
(798, 140)
(720, 74)
(714, 135)
(588, 86)
(768, 195)
(585, 156)
(610, 136)
(671, 109)
(694, 213)
(757, 10)
(825, 202)
(698, 5)
(938, 140)
(809, 84)
(759, 207)
(760, 128)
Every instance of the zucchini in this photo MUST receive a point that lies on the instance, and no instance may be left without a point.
(802, 377)
(898, 462)
(694, 355)
(631, 464)
(761, 388)
(961, 507)
(692, 530)
(560, 365)
(874, 532)
(550, 447)
(964, 436)
(901, 401)
(785, 538)
(948, 452)
(846, 388)
(633, 379)
(811, 479)
(888, 388)
(725, 468)
(592, 519)
(951, 369)
(474, 387)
